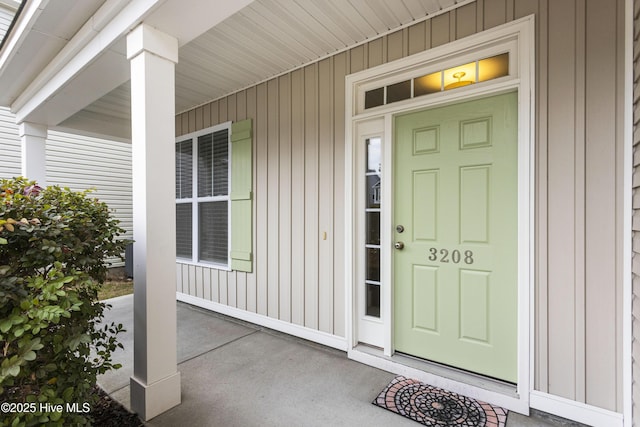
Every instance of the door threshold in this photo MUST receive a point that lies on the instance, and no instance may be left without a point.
(458, 381)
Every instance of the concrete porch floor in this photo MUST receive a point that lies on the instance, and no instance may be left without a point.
(238, 374)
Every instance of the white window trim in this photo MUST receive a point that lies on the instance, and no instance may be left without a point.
(194, 200)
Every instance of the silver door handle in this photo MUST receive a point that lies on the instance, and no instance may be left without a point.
(399, 245)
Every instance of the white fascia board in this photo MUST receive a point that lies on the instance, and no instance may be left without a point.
(111, 22)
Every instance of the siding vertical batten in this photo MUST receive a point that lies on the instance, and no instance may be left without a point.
(480, 7)
(326, 210)
(636, 216)
(232, 284)
(252, 279)
(561, 187)
(510, 10)
(601, 194)
(241, 277)
(311, 197)
(273, 214)
(624, 247)
(241, 285)
(297, 197)
(341, 64)
(262, 197)
(579, 200)
(284, 97)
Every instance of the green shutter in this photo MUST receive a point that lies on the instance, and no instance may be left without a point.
(241, 196)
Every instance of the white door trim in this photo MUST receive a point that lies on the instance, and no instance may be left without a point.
(518, 38)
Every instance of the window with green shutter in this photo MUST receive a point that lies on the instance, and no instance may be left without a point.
(241, 196)
(214, 197)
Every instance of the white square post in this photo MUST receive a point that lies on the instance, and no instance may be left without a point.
(34, 155)
(155, 384)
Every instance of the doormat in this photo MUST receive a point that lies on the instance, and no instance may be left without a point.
(433, 406)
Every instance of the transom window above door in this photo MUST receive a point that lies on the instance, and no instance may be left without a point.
(461, 75)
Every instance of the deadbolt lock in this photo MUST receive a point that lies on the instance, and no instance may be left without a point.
(399, 228)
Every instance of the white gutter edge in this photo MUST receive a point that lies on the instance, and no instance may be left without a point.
(112, 21)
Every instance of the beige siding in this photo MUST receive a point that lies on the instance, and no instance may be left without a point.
(578, 211)
(636, 215)
(299, 186)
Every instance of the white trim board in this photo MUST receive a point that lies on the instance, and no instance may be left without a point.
(627, 229)
(319, 337)
(576, 411)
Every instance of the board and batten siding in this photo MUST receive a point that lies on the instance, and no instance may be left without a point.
(636, 215)
(299, 187)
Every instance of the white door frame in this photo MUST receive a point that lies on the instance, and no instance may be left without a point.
(518, 39)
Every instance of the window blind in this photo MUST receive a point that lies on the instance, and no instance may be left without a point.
(213, 231)
(184, 229)
(184, 169)
(213, 164)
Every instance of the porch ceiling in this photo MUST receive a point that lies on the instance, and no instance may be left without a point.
(262, 40)
(269, 37)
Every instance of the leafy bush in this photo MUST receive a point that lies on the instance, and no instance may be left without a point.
(53, 248)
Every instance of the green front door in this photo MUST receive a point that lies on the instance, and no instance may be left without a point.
(455, 212)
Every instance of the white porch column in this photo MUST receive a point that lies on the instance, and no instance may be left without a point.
(34, 158)
(155, 385)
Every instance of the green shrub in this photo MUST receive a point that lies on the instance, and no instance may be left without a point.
(53, 247)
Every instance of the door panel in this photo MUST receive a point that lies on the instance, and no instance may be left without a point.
(425, 297)
(425, 195)
(455, 194)
(475, 191)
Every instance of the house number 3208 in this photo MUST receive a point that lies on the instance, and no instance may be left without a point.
(455, 256)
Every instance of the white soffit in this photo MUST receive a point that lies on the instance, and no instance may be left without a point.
(270, 37)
